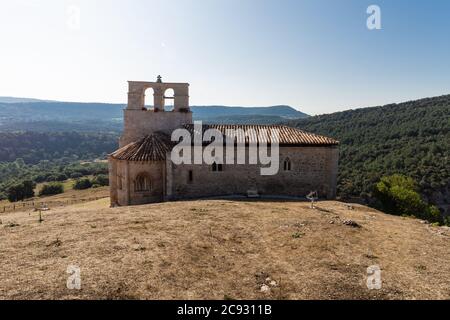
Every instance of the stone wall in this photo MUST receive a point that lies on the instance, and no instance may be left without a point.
(123, 175)
(138, 123)
(312, 168)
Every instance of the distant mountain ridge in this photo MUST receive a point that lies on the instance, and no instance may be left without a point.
(20, 100)
(22, 113)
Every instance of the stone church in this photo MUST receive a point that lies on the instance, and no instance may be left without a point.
(142, 171)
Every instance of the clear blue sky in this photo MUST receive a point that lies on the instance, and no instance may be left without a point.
(317, 56)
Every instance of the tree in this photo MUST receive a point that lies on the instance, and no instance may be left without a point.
(28, 189)
(398, 194)
(20, 191)
(15, 193)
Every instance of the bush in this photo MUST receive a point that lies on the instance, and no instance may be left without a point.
(76, 175)
(51, 188)
(399, 195)
(61, 177)
(21, 191)
(101, 180)
(82, 184)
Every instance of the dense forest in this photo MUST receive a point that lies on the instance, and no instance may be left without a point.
(411, 138)
(33, 147)
(51, 156)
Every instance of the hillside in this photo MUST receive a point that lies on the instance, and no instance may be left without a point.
(221, 249)
(411, 138)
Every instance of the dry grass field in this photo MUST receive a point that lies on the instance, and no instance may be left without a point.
(70, 196)
(221, 249)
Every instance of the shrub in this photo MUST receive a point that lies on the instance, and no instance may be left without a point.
(20, 191)
(76, 175)
(101, 180)
(51, 188)
(61, 177)
(82, 184)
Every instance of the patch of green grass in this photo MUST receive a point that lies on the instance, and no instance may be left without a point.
(297, 235)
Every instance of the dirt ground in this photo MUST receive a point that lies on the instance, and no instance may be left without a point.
(221, 249)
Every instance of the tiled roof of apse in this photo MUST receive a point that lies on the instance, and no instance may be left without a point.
(150, 148)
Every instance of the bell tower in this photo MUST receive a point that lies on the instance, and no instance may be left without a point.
(140, 121)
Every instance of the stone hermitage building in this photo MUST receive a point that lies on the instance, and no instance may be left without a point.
(142, 171)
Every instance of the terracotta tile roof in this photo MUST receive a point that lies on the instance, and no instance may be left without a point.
(154, 147)
(150, 148)
(286, 135)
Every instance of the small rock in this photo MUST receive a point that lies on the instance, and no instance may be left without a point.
(268, 279)
(55, 243)
(273, 283)
(351, 223)
(331, 222)
(139, 248)
(265, 288)
(11, 225)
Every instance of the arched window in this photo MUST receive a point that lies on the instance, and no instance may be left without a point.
(169, 99)
(148, 100)
(142, 183)
(287, 164)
